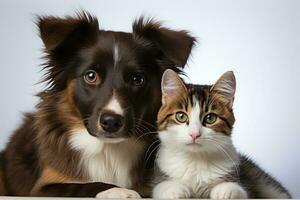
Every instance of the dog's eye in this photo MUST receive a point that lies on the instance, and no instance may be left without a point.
(137, 79)
(181, 117)
(91, 77)
(210, 118)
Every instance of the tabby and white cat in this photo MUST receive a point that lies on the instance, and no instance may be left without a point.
(196, 158)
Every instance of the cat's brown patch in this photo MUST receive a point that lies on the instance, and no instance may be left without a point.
(175, 98)
(217, 104)
(166, 114)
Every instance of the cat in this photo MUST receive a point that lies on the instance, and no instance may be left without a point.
(196, 157)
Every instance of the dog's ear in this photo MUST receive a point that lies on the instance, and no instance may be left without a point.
(175, 46)
(55, 31)
(62, 37)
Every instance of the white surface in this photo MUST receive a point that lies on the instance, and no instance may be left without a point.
(42, 198)
(258, 39)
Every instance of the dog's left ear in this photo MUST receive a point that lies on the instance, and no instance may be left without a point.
(62, 38)
(175, 46)
(69, 32)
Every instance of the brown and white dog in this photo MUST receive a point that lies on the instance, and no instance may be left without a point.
(88, 136)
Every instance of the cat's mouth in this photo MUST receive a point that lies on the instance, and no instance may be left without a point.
(193, 147)
(194, 143)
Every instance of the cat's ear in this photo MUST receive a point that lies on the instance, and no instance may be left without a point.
(172, 86)
(174, 46)
(225, 86)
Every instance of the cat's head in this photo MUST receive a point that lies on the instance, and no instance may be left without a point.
(195, 117)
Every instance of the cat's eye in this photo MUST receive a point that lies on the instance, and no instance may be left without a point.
(137, 79)
(210, 118)
(91, 77)
(182, 117)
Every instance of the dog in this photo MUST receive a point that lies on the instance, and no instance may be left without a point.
(90, 132)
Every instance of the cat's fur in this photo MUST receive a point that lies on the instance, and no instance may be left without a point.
(196, 157)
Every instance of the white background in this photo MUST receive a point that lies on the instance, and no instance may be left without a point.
(258, 39)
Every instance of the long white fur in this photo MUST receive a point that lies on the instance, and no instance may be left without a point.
(193, 165)
(106, 162)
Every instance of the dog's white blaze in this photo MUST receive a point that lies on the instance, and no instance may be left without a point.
(114, 105)
(106, 162)
(116, 54)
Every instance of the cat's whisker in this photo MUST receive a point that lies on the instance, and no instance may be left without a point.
(142, 130)
(144, 134)
(157, 140)
(222, 169)
(141, 125)
(155, 148)
(219, 147)
(221, 140)
(145, 122)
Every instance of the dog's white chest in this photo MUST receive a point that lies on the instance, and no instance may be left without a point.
(109, 167)
(108, 163)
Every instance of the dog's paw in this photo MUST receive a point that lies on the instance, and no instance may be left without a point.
(118, 193)
(171, 190)
(228, 190)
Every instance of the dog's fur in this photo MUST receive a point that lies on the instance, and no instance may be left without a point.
(2, 185)
(61, 150)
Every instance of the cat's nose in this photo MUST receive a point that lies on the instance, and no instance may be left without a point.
(195, 136)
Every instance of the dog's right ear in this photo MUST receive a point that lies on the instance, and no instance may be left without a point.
(174, 46)
(55, 31)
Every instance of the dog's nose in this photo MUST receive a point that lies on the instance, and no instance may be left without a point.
(111, 122)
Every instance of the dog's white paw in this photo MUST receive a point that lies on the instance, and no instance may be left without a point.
(118, 193)
(171, 190)
(228, 190)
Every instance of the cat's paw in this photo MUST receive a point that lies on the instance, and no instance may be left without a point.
(171, 190)
(118, 193)
(228, 190)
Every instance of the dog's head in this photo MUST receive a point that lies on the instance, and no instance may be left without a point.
(109, 81)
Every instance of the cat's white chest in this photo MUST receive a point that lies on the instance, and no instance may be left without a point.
(196, 172)
(108, 163)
